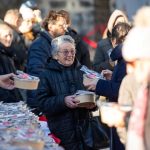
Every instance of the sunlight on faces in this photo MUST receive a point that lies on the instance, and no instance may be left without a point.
(26, 26)
(66, 54)
(6, 35)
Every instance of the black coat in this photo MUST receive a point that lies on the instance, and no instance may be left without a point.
(7, 66)
(57, 82)
(38, 54)
(101, 58)
(20, 51)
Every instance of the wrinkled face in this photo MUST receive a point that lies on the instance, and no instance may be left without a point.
(58, 28)
(6, 36)
(66, 54)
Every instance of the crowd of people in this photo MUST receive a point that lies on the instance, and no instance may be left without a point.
(52, 50)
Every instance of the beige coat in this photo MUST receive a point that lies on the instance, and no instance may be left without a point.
(128, 90)
(127, 94)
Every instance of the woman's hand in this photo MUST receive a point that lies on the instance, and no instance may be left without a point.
(6, 81)
(71, 102)
(107, 74)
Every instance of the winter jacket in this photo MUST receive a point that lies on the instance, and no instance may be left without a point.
(82, 51)
(7, 66)
(110, 88)
(101, 58)
(57, 82)
(38, 55)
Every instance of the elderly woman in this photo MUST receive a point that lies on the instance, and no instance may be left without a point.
(56, 92)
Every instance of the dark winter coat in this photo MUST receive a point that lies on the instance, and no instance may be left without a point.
(57, 82)
(101, 58)
(38, 55)
(19, 49)
(82, 51)
(7, 66)
(110, 88)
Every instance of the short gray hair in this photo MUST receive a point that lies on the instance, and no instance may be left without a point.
(56, 42)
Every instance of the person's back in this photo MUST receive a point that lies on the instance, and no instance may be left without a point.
(101, 59)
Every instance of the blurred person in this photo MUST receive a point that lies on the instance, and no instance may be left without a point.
(54, 25)
(6, 63)
(56, 94)
(141, 17)
(110, 88)
(118, 36)
(14, 19)
(139, 58)
(31, 5)
(137, 64)
(101, 59)
(82, 53)
(31, 21)
(137, 76)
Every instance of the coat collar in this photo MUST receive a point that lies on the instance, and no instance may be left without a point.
(46, 36)
(116, 53)
(6, 50)
(54, 65)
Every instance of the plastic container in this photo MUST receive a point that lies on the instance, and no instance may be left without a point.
(26, 83)
(86, 99)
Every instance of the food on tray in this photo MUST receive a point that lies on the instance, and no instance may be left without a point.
(26, 81)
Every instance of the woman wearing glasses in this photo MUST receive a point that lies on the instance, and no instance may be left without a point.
(56, 92)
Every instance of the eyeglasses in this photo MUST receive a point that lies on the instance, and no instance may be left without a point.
(66, 52)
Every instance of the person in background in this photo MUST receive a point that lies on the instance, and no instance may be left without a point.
(82, 53)
(31, 18)
(56, 94)
(101, 59)
(139, 120)
(14, 19)
(7, 64)
(110, 88)
(138, 75)
(54, 25)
